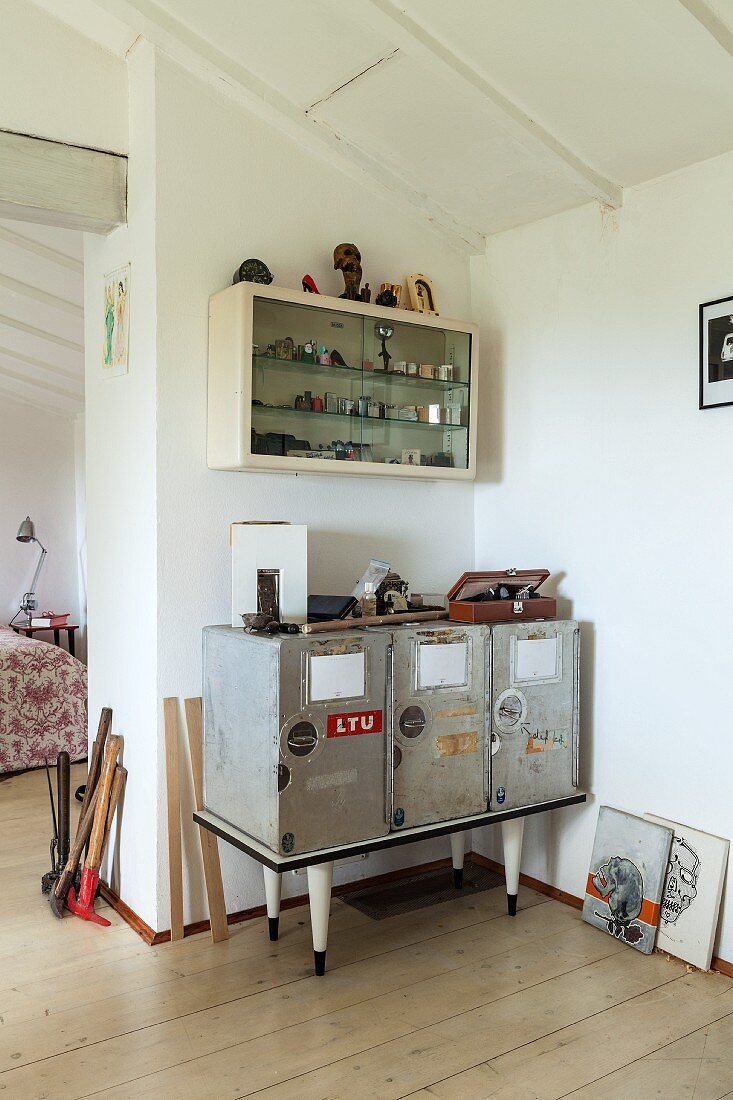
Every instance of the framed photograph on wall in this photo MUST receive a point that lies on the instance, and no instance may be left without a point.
(716, 353)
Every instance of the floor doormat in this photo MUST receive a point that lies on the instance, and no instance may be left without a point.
(420, 891)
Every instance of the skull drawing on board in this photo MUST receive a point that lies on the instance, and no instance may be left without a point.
(347, 260)
(680, 887)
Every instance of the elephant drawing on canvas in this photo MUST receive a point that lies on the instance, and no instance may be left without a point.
(620, 884)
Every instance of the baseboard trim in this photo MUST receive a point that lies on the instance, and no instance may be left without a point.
(152, 939)
(721, 966)
(129, 916)
(530, 883)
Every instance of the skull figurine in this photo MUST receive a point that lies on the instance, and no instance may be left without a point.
(347, 260)
(680, 887)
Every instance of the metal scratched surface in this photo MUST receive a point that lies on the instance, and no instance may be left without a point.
(533, 712)
(294, 749)
(439, 738)
(317, 741)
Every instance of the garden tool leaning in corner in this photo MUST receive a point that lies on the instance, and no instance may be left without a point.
(83, 906)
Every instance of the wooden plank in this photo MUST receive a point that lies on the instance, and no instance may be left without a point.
(392, 1044)
(65, 185)
(209, 842)
(224, 993)
(700, 1065)
(173, 803)
(560, 1063)
(362, 1005)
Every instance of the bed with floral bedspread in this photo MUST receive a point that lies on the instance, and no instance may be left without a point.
(43, 695)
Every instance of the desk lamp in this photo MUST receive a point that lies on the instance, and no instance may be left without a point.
(29, 603)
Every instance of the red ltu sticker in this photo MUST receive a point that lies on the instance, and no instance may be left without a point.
(359, 721)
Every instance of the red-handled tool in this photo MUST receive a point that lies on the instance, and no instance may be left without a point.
(83, 906)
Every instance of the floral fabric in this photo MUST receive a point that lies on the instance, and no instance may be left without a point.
(43, 694)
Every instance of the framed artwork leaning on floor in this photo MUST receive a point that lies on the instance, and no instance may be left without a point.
(693, 887)
(624, 886)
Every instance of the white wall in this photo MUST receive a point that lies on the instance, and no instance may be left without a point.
(37, 479)
(596, 463)
(121, 506)
(56, 84)
(229, 187)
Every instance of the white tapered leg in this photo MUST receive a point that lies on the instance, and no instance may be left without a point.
(273, 888)
(320, 876)
(458, 851)
(511, 835)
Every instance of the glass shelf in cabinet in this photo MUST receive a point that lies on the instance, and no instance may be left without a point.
(290, 366)
(272, 410)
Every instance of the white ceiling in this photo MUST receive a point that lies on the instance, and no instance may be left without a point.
(41, 317)
(484, 114)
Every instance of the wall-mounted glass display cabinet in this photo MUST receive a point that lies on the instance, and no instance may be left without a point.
(303, 382)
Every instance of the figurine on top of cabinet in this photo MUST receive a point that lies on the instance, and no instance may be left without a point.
(422, 295)
(347, 260)
(389, 295)
(392, 594)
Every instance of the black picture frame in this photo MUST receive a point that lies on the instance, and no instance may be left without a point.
(704, 364)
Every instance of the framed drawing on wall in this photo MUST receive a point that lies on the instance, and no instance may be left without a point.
(116, 317)
(716, 353)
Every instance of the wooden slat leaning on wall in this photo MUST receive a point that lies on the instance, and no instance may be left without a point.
(173, 800)
(209, 842)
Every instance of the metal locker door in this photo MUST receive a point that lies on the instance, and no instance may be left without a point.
(534, 712)
(332, 741)
(440, 750)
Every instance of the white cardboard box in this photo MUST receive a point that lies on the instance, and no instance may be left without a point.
(282, 546)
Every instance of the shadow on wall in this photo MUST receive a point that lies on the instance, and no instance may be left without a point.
(561, 819)
(490, 436)
(354, 552)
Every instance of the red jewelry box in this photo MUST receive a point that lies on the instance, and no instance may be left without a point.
(463, 607)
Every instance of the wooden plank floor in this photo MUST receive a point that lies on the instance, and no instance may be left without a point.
(456, 1002)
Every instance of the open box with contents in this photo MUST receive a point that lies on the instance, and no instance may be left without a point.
(500, 596)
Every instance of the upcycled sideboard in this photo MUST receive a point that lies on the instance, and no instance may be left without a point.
(321, 746)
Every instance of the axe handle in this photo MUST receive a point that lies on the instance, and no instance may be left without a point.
(111, 752)
(63, 780)
(66, 878)
(95, 761)
(118, 783)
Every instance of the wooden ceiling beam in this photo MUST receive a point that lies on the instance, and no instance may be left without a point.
(712, 23)
(228, 77)
(29, 244)
(41, 334)
(64, 185)
(15, 286)
(39, 364)
(47, 387)
(44, 406)
(393, 22)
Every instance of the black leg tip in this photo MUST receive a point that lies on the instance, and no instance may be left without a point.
(273, 927)
(458, 878)
(319, 958)
(511, 901)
